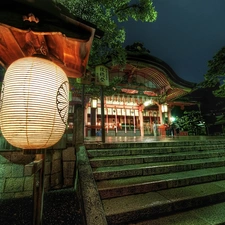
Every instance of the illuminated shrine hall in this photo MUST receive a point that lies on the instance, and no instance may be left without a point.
(147, 93)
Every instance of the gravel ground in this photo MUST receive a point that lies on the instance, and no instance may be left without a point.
(60, 207)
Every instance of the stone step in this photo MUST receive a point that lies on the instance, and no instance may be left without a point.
(156, 144)
(208, 215)
(138, 159)
(142, 184)
(145, 169)
(151, 150)
(142, 207)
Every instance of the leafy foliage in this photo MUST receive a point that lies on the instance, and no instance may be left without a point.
(215, 76)
(137, 47)
(94, 90)
(106, 15)
(192, 122)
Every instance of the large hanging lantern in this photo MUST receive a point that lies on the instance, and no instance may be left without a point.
(34, 103)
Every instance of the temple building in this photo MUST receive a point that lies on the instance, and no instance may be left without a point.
(147, 93)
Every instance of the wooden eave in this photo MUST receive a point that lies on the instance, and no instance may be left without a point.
(40, 27)
(166, 90)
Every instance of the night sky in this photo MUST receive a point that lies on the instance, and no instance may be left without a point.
(186, 35)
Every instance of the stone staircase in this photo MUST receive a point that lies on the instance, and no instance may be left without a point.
(176, 182)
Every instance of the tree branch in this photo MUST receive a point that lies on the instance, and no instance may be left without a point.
(128, 7)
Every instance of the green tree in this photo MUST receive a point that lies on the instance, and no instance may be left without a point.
(93, 90)
(215, 76)
(192, 121)
(106, 15)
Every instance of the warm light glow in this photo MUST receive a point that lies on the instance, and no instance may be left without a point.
(164, 108)
(94, 103)
(147, 103)
(34, 103)
(129, 91)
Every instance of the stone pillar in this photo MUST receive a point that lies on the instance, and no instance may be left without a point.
(68, 159)
(78, 134)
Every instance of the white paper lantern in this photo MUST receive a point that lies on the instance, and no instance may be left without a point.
(34, 103)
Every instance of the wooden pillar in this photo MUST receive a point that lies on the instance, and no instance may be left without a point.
(102, 115)
(37, 168)
(141, 121)
(85, 121)
(169, 114)
(160, 114)
(93, 122)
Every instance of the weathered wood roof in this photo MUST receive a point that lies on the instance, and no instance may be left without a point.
(142, 69)
(41, 27)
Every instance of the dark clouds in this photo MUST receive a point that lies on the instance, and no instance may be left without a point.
(186, 35)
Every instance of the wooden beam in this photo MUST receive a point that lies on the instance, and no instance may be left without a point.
(33, 167)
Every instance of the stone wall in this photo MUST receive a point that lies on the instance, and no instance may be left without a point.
(53, 170)
(15, 183)
(69, 165)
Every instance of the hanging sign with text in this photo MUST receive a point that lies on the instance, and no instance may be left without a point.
(101, 75)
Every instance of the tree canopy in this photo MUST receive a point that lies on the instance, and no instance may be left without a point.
(107, 15)
(215, 76)
(192, 121)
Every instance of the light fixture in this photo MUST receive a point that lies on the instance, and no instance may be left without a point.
(148, 102)
(164, 108)
(34, 103)
(94, 103)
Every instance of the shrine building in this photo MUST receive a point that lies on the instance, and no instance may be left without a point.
(147, 93)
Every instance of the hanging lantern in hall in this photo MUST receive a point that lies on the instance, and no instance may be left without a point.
(164, 108)
(94, 103)
(34, 103)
